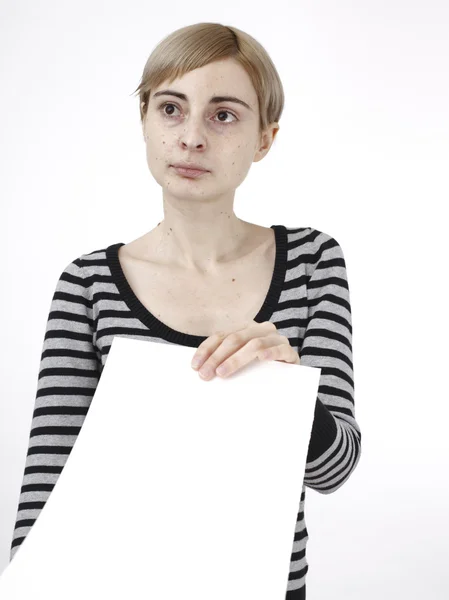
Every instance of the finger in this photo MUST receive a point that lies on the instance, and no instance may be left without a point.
(205, 349)
(282, 353)
(249, 352)
(234, 340)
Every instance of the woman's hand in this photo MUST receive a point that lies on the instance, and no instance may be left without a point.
(223, 354)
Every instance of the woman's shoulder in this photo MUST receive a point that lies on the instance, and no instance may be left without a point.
(309, 234)
(91, 260)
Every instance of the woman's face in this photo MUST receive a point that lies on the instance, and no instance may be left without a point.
(223, 136)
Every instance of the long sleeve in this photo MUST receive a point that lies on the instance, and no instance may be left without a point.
(335, 443)
(68, 376)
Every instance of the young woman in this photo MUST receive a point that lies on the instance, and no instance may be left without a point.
(210, 104)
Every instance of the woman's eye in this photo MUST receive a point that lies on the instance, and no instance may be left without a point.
(163, 106)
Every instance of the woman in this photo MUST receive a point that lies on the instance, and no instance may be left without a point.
(210, 99)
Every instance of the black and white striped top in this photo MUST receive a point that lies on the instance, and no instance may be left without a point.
(308, 301)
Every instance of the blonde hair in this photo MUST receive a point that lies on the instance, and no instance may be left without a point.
(197, 45)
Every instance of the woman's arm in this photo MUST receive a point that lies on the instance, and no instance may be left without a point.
(68, 376)
(335, 442)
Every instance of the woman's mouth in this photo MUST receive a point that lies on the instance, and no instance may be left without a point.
(191, 173)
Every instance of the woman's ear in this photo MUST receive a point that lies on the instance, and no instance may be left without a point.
(142, 104)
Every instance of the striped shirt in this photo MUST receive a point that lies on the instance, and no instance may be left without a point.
(308, 301)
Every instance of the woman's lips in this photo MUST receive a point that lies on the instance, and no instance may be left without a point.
(192, 173)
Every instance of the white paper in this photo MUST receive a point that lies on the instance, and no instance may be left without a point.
(176, 487)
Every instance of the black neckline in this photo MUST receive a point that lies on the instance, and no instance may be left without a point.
(160, 329)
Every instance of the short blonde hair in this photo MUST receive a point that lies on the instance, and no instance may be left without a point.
(197, 45)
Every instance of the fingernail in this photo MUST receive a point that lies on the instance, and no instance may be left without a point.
(206, 372)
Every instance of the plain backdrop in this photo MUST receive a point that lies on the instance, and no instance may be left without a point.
(361, 154)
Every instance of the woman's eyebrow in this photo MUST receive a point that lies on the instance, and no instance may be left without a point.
(213, 100)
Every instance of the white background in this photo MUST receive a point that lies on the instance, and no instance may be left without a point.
(362, 154)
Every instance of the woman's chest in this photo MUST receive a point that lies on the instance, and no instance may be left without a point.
(202, 305)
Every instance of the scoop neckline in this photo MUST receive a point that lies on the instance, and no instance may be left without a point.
(159, 329)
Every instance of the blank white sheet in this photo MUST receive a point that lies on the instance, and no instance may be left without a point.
(176, 487)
